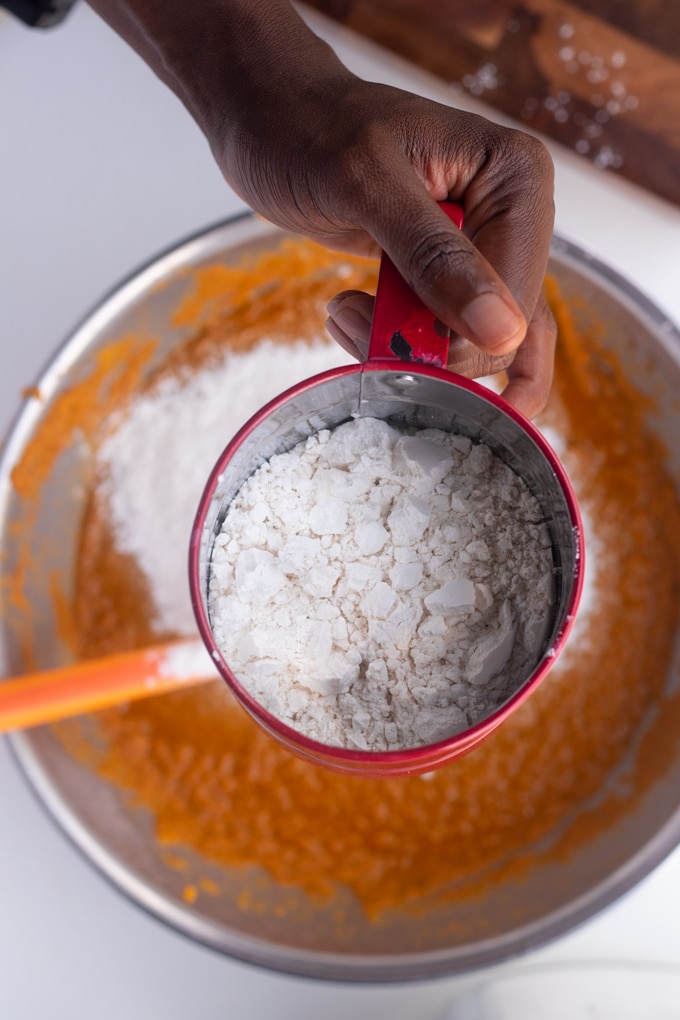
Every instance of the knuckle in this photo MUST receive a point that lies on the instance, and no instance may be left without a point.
(532, 153)
(437, 257)
(526, 165)
(537, 154)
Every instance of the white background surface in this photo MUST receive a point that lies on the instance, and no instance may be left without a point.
(100, 168)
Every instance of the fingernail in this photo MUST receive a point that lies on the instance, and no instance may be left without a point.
(357, 348)
(352, 321)
(491, 322)
(362, 347)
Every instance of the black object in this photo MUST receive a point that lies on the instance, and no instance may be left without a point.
(39, 13)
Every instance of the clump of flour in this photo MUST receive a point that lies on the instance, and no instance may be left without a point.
(380, 590)
(157, 459)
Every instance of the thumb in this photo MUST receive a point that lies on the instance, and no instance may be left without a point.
(450, 275)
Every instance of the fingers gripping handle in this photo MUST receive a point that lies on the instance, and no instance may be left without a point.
(403, 329)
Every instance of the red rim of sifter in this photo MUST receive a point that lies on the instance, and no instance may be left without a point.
(408, 348)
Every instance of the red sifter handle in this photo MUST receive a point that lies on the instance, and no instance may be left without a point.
(403, 328)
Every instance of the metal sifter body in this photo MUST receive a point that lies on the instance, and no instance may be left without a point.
(417, 393)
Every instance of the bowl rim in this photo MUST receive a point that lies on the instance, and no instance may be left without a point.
(358, 968)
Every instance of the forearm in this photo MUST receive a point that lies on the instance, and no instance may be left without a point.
(360, 166)
(224, 58)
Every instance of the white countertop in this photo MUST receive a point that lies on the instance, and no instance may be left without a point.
(100, 169)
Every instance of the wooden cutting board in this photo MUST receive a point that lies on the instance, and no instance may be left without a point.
(600, 76)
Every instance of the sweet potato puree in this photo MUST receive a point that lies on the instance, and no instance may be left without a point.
(219, 787)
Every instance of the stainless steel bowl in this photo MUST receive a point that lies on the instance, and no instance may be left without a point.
(118, 838)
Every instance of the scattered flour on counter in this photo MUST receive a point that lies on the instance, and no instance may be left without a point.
(157, 460)
(380, 590)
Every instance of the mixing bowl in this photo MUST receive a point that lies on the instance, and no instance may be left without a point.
(39, 530)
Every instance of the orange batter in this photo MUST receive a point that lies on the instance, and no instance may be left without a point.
(220, 786)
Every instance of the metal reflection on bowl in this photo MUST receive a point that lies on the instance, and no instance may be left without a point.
(119, 839)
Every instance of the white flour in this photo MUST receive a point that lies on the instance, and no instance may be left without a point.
(155, 464)
(378, 590)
